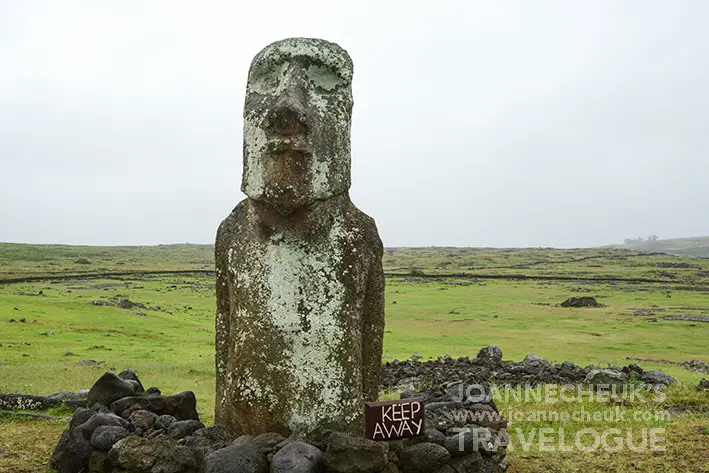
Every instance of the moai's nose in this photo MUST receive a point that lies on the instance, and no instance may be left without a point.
(289, 113)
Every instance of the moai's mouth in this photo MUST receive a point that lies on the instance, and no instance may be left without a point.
(287, 146)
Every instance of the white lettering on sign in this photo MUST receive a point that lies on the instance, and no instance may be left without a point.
(398, 420)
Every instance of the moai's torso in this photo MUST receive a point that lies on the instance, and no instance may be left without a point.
(299, 319)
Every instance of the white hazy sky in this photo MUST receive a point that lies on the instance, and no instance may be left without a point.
(476, 123)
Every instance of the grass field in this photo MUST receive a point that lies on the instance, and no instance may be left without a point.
(439, 301)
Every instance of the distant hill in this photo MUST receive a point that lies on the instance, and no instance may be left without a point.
(697, 246)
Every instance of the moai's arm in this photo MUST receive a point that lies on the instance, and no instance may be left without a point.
(373, 325)
(223, 313)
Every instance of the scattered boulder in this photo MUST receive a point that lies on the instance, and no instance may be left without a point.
(633, 370)
(585, 301)
(703, 385)
(606, 379)
(108, 389)
(656, 377)
(490, 356)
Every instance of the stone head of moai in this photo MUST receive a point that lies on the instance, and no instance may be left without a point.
(297, 117)
(300, 287)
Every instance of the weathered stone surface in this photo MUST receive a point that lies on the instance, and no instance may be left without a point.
(182, 406)
(132, 377)
(179, 459)
(72, 453)
(243, 458)
(490, 356)
(470, 463)
(297, 457)
(183, 428)
(423, 458)
(100, 463)
(139, 454)
(105, 418)
(215, 433)
(347, 454)
(606, 378)
(164, 422)
(585, 301)
(143, 420)
(105, 436)
(658, 377)
(109, 388)
(266, 442)
(299, 276)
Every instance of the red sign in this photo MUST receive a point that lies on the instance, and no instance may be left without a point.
(393, 420)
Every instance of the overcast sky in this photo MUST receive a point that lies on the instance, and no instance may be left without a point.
(476, 123)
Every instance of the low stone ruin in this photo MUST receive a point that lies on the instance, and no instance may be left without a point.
(128, 429)
(488, 365)
(585, 301)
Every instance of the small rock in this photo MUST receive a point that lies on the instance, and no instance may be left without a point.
(297, 457)
(266, 442)
(605, 379)
(183, 428)
(423, 457)
(658, 377)
(100, 462)
(98, 420)
(105, 436)
(490, 356)
(347, 454)
(164, 422)
(242, 458)
(142, 419)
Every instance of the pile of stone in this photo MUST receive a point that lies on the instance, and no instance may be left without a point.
(122, 303)
(586, 301)
(488, 365)
(131, 430)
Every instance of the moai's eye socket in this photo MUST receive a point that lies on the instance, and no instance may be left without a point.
(267, 77)
(324, 78)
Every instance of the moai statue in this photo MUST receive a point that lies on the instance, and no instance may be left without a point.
(300, 288)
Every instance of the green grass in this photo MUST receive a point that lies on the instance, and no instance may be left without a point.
(173, 348)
